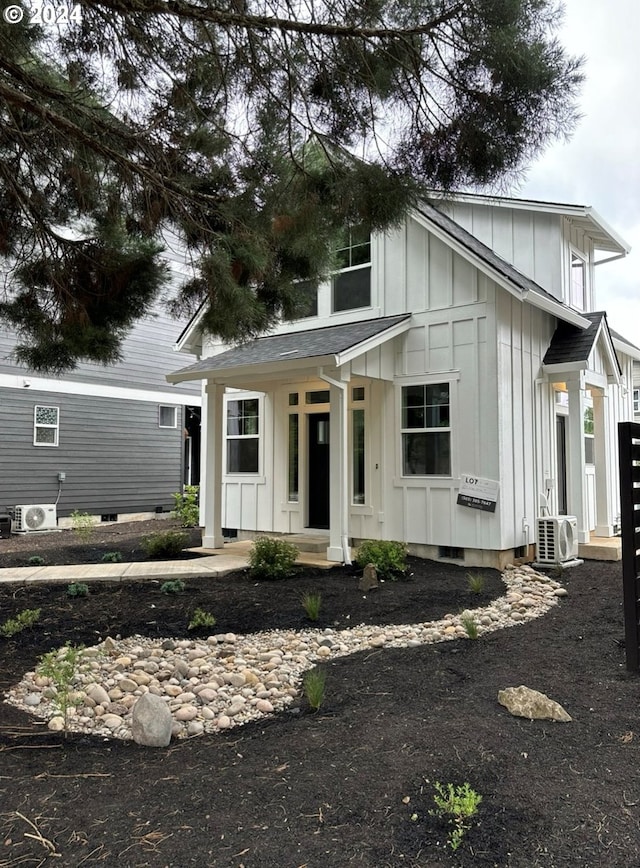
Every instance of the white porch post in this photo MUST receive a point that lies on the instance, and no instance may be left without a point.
(211, 487)
(339, 494)
(576, 483)
(604, 516)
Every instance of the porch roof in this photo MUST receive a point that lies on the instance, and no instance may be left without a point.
(570, 345)
(329, 345)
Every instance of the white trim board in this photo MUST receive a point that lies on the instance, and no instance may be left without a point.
(27, 383)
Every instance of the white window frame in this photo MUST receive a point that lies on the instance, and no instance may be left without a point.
(361, 404)
(350, 246)
(449, 379)
(174, 410)
(40, 426)
(636, 400)
(235, 398)
(577, 255)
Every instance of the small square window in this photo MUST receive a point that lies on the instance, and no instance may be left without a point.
(357, 393)
(167, 417)
(322, 396)
(46, 425)
(293, 399)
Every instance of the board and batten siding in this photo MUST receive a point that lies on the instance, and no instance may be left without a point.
(115, 456)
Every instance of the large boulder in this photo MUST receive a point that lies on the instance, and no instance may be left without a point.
(151, 721)
(524, 702)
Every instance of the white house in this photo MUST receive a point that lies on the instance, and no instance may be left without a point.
(449, 381)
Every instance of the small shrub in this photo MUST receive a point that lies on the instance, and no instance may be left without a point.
(201, 618)
(458, 805)
(475, 582)
(23, 620)
(61, 667)
(388, 557)
(311, 603)
(35, 561)
(77, 589)
(173, 586)
(271, 558)
(186, 506)
(470, 626)
(111, 557)
(83, 525)
(164, 544)
(313, 683)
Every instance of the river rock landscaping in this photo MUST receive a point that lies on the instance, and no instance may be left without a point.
(409, 701)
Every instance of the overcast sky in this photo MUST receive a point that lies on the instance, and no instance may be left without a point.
(600, 166)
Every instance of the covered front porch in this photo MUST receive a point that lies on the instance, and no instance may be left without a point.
(285, 458)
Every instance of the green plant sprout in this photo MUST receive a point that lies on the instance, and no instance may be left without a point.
(77, 589)
(312, 603)
(457, 804)
(475, 582)
(111, 557)
(173, 586)
(23, 620)
(61, 667)
(35, 561)
(313, 683)
(470, 626)
(83, 525)
(201, 618)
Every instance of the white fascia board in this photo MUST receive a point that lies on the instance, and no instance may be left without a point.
(190, 341)
(538, 300)
(626, 349)
(602, 224)
(563, 368)
(228, 376)
(373, 342)
(26, 383)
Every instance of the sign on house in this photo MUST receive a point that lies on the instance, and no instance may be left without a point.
(478, 493)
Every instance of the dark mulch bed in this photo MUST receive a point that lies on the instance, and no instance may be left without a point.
(352, 784)
(67, 547)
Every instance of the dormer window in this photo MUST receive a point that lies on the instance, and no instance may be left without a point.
(352, 284)
(578, 282)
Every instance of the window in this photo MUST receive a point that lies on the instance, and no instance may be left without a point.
(352, 284)
(358, 456)
(46, 425)
(242, 436)
(426, 431)
(294, 460)
(322, 396)
(578, 282)
(167, 417)
(307, 298)
(636, 400)
(589, 453)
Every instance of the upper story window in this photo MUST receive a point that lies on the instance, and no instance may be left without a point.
(352, 283)
(636, 400)
(307, 298)
(46, 425)
(578, 282)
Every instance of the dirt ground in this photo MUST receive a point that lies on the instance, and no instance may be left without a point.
(353, 783)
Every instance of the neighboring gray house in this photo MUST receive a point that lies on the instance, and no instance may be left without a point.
(114, 442)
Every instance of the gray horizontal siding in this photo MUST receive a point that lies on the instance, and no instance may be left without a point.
(147, 357)
(115, 457)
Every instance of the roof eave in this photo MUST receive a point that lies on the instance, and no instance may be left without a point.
(227, 375)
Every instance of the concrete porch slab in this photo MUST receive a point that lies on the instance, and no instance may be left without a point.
(601, 548)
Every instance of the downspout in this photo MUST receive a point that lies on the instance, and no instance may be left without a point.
(344, 528)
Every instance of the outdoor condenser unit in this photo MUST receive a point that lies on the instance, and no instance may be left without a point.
(35, 516)
(556, 539)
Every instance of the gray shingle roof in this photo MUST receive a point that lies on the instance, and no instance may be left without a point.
(326, 341)
(571, 344)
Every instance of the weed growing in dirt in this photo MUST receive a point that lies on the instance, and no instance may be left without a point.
(475, 582)
(470, 626)
(271, 558)
(83, 525)
(201, 618)
(311, 603)
(167, 543)
(313, 683)
(186, 506)
(77, 589)
(23, 620)
(60, 667)
(173, 586)
(111, 557)
(388, 557)
(457, 804)
(35, 561)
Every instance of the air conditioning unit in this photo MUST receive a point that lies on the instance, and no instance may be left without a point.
(35, 516)
(556, 539)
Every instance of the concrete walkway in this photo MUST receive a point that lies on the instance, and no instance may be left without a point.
(215, 562)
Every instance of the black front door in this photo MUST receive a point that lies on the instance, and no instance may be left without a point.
(318, 462)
